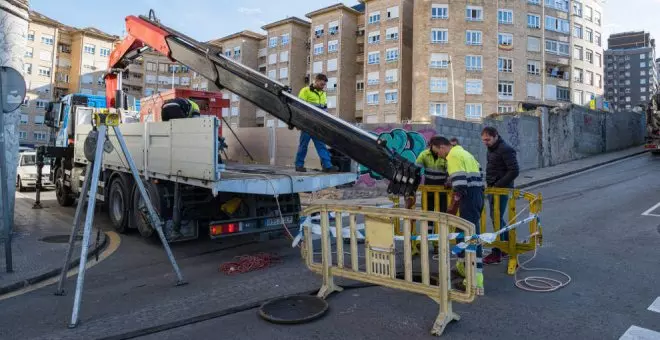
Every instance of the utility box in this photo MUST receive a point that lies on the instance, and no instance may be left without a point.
(210, 103)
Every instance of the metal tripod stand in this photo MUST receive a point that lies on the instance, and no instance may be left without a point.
(102, 121)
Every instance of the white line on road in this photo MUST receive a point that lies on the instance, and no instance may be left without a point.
(648, 212)
(639, 333)
(655, 306)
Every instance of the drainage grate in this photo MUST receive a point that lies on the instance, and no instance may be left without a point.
(59, 239)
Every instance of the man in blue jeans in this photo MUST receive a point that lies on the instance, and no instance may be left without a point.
(314, 94)
(501, 170)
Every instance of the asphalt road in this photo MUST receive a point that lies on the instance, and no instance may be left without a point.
(593, 229)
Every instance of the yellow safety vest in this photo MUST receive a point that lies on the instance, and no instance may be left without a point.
(314, 96)
(463, 169)
(435, 167)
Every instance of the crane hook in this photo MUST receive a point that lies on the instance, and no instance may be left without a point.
(152, 16)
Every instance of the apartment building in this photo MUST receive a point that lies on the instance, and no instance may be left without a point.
(286, 52)
(39, 72)
(161, 74)
(388, 60)
(90, 54)
(481, 57)
(631, 72)
(333, 52)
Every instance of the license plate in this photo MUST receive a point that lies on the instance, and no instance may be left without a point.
(277, 221)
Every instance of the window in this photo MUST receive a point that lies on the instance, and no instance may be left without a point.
(372, 98)
(393, 12)
(627, 99)
(473, 111)
(556, 47)
(44, 55)
(29, 52)
(374, 17)
(332, 65)
(474, 86)
(534, 2)
(284, 73)
(641, 81)
(642, 64)
(578, 76)
(577, 31)
(534, 67)
(438, 85)
(25, 119)
(317, 67)
(392, 54)
(473, 63)
(47, 39)
(563, 94)
(439, 36)
(590, 78)
(272, 59)
(373, 78)
(590, 56)
(318, 49)
(359, 85)
(597, 38)
(505, 90)
(391, 96)
(577, 52)
(505, 16)
(40, 136)
(373, 58)
(318, 31)
(333, 46)
(534, 90)
(374, 37)
(333, 27)
(150, 79)
(284, 56)
(392, 33)
(561, 5)
(533, 21)
(235, 111)
(105, 52)
(41, 104)
(578, 97)
(438, 109)
(474, 13)
(642, 73)
(473, 37)
(227, 54)
(39, 120)
(44, 71)
(505, 64)
(392, 76)
(505, 108)
(643, 98)
(533, 44)
(439, 60)
(272, 42)
(597, 18)
(332, 102)
(505, 39)
(642, 56)
(439, 11)
(89, 48)
(556, 24)
(30, 36)
(577, 8)
(286, 37)
(642, 89)
(332, 84)
(589, 34)
(599, 60)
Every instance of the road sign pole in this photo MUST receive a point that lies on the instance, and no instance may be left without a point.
(4, 207)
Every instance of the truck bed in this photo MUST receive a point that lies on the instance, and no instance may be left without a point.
(185, 151)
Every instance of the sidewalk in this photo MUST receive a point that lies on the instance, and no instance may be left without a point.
(39, 244)
(526, 178)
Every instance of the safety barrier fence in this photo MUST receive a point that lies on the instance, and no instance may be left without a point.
(377, 264)
(512, 246)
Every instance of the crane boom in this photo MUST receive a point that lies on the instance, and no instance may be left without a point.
(274, 97)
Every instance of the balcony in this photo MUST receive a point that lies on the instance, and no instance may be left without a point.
(557, 74)
(359, 58)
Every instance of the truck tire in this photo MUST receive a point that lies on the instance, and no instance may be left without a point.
(118, 204)
(146, 230)
(62, 193)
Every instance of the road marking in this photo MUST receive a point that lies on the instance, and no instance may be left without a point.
(655, 306)
(648, 212)
(639, 333)
(113, 245)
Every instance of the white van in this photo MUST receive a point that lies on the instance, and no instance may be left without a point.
(26, 175)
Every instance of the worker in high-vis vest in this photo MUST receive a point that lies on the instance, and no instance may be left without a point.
(178, 108)
(314, 95)
(467, 186)
(435, 173)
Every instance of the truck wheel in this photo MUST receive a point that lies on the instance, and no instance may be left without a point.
(118, 204)
(62, 193)
(145, 229)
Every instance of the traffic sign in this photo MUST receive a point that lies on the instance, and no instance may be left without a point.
(12, 89)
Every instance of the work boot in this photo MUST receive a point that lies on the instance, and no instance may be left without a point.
(331, 169)
(495, 257)
(301, 169)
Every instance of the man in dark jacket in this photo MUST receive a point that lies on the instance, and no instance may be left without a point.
(501, 170)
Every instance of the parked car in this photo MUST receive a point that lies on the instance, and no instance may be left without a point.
(26, 176)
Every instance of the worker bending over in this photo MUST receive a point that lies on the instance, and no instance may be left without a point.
(468, 196)
(178, 108)
(435, 172)
(314, 94)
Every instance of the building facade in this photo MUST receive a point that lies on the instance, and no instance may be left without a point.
(473, 59)
(631, 71)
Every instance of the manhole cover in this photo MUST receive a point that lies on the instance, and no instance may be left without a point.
(293, 309)
(417, 277)
(59, 239)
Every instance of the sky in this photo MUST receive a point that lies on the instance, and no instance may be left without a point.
(211, 19)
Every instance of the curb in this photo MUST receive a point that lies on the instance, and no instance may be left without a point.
(577, 171)
(52, 273)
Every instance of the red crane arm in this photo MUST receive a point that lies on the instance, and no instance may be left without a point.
(140, 33)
